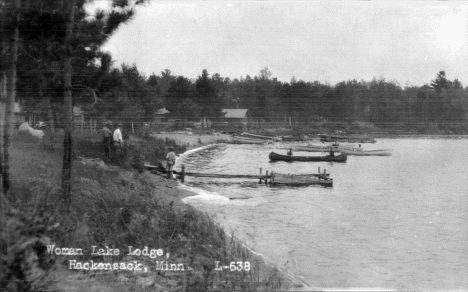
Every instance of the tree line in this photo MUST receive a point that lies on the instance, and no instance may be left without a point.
(127, 94)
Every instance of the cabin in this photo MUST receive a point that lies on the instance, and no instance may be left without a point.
(234, 120)
(161, 116)
(81, 122)
(160, 121)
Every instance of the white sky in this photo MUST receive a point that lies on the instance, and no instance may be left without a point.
(408, 42)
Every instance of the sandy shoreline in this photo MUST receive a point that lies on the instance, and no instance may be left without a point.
(193, 140)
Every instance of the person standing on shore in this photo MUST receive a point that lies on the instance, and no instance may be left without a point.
(107, 139)
(170, 161)
(118, 141)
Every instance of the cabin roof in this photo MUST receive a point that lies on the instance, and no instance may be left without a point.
(162, 111)
(235, 113)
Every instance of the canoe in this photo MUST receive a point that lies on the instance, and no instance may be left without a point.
(337, 158)
(360, 152)
(320, 148)
(243, 140)
(259, 137)
(301, 180)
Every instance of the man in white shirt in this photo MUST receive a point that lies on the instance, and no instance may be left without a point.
(118, 141)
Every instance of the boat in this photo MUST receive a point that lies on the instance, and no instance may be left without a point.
(336, 158)
(333, 138)
(349, 139)
(291, 138)
(243, 140)
(260, 137)
(360, 152)
(301, 180)
(321, 148)
(361, 140)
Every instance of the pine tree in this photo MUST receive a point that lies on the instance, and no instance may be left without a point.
(440, 82)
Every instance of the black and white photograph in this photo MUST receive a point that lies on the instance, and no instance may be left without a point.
(192, 146)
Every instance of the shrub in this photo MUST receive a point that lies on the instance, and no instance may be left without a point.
(24, 258)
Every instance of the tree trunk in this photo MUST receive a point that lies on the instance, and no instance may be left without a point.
(67, 140)
(50, 115)
(10, 100)
(3, 96)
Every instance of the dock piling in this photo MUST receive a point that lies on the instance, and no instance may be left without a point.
(182, 178)
(260, 180)
(266, 177)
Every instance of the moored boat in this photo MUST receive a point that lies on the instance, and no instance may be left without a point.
(349, 139)
(320, 148)
(361, 140)
(243, 140)
(336, 158)
(333, 138)
(360, 152)
(259, 137)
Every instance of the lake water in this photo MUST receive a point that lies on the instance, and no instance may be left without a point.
(397, 222)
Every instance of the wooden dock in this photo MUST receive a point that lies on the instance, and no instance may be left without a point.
(271, 178)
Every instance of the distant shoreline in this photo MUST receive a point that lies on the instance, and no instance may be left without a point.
(193, 140)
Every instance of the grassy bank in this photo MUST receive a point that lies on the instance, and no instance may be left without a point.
(115, 207)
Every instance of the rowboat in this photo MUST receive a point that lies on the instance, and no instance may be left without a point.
(301, 180)
(335, 138)
(361, 140)
(259, 137)
(291, 138)
(320, 148)
(360, 152)
(337, 158)
(243, 140)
